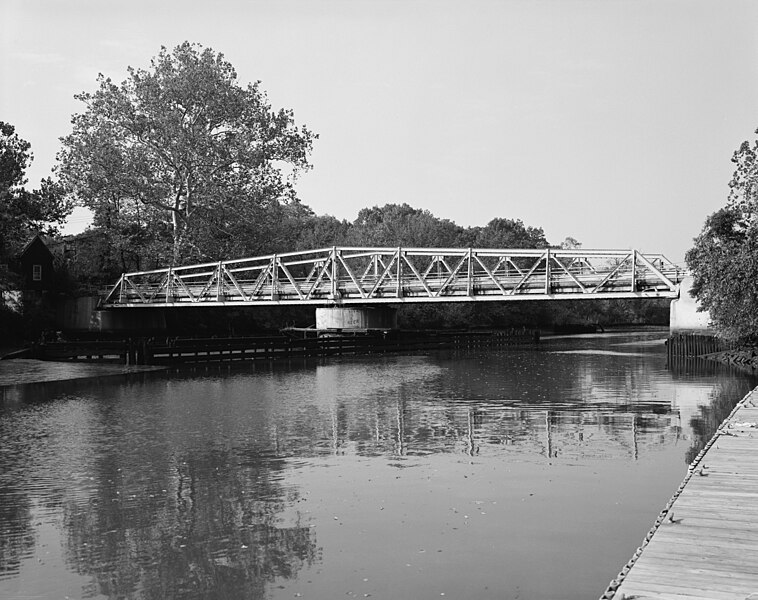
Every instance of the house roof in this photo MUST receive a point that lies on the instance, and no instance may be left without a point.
(32, 242)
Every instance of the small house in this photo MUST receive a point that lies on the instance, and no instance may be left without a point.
(35, 266)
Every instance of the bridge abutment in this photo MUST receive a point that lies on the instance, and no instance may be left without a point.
(83, 315)
(684, 314)
(360, 317)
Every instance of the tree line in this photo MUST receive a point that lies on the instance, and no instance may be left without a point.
(180, 163)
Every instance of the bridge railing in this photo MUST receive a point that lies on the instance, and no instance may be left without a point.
(347, 275)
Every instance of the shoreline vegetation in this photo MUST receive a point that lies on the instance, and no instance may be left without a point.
(745, 356)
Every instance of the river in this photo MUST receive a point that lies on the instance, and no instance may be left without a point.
(521, 473)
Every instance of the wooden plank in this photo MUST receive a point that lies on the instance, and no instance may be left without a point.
(704, 544)
(696, 579)
(683, 556)
(715, 476)
(661, 591)
(710, 521)
(706, 584)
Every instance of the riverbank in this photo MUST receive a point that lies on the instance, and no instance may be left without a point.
(740, 357)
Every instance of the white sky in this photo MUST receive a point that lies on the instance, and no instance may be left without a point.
(612, 121)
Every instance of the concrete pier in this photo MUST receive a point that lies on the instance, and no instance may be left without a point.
(344, 318)
(685, 316)
(704, 543)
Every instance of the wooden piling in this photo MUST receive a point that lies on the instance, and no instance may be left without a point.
(690, 345)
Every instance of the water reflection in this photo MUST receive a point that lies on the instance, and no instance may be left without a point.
(328, 478)
(544, 404)
(212, 531)
(143, 514)
(729, 388)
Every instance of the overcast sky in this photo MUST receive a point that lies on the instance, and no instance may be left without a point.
(611, 121)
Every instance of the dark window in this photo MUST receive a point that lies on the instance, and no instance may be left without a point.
(36, 272)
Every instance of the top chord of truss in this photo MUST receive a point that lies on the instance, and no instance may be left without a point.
(342, 276)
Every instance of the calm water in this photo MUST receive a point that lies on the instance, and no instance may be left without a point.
(529, 473)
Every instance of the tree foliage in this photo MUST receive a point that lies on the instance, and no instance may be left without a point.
(320, 231)
(402, 225)
(507, 233)
(183, 152)
(23, 212)
(724, 259)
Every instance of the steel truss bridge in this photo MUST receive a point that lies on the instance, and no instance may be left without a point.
(363, 276)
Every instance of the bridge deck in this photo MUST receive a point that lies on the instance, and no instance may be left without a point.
(706, 542)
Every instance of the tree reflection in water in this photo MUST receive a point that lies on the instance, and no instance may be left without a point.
(152, 518)
(17, 539)
(214, 532)
(721, 399)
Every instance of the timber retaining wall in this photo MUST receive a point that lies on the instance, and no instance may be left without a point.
(690, 345)
(161, 351)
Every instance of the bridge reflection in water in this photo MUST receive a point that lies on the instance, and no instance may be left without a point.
(513, 470)
(366, 276)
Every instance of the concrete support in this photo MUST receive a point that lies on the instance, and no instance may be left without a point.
(684, 314)
(126, 321)
(356, 318)
(82, 314)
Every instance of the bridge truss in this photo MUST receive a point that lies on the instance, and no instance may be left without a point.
(364, 276)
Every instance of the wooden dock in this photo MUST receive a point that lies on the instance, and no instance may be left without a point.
(704, 543)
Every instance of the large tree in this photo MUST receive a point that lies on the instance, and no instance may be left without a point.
(724, 259)
(182, 145)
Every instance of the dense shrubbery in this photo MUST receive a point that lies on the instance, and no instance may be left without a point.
(724, 259)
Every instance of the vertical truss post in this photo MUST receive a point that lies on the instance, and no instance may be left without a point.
(169, 277)
(399, 291)
(470, 275)
(274, 278)
(219, 286)
(335, 272)
(634, 271)
(547, 272)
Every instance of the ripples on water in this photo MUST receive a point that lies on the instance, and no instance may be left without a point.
(522, 473)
